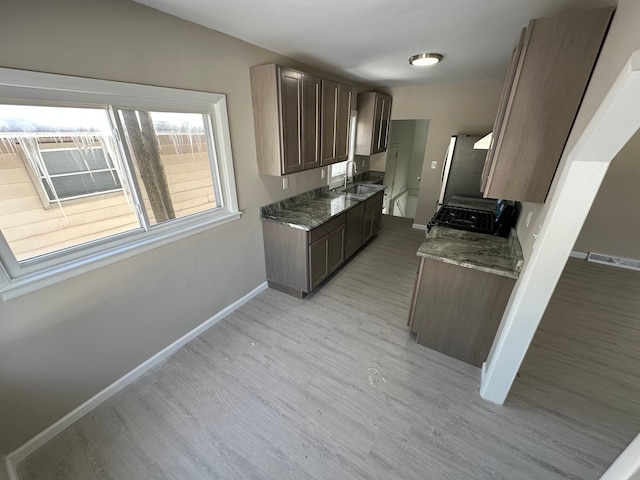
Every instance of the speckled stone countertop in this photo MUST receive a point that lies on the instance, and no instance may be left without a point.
(497, 255)
(371, 176)
(311, 209)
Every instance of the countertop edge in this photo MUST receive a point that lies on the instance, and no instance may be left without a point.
(473, 266)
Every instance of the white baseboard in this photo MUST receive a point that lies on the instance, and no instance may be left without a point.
(40, 439)
(417, 226)
(581, 255)
(9, 471)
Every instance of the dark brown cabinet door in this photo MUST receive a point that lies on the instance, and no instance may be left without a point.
(353, 234)
(376, 221)
(343, 118)
(318, 267)
(367, 226)
(330, 93)
(372, 216)
(336, 111)
(377, 125)
(457, 310)
(374, 117)
(291, 111)
(310, 121)
(384, 122)
(335, 249)
(542, 94)
(325, 255)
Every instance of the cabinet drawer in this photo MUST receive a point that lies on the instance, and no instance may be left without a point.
(355, 211)
(326, 227)
(377, 198)
(354, 226)
(352, 245)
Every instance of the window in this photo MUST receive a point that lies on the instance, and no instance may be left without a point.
(95, 170)
(338, 170)
(68, 173)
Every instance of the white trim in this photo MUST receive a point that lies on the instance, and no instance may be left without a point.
(627, 465)
(11, 472)
(580, 255)
(43, 437)
(57, 273)
(419, 226)
(49, 87)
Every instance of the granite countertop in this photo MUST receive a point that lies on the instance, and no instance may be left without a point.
(491, 254)
(371, 176)
(311, 209)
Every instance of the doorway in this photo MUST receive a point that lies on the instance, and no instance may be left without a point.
(408, 141)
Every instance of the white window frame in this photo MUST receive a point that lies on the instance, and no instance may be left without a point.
(18, 86)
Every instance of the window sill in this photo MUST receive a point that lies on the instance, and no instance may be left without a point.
(28, 283)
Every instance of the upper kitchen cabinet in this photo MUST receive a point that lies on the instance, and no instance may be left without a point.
(336, 112)
(546, 80)
(286, 115)
(374, 116)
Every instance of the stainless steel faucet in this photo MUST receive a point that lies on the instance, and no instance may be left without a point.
(346, 171)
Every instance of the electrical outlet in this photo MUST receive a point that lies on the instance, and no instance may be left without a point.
(363, 163)
(535, 237)
(321, 173)
(529, 218)
(285, 183)
(434, 165)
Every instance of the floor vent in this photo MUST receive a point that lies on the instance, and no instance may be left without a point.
(614, 261)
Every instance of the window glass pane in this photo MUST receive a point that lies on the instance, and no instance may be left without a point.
(51, 154)
(72, 186)
(172, 165)
(73, 160)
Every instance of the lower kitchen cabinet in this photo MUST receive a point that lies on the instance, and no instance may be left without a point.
(325, 255)
(298, 261)
(372, 216)
(353, 230)
(457, 310)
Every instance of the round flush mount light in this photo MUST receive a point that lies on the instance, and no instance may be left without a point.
(425, 59)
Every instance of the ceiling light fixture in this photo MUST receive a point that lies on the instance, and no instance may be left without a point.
(425, 59)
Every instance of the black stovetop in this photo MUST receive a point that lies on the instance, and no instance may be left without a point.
(479, 221)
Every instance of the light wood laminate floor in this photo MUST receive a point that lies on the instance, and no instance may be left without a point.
(335, 387)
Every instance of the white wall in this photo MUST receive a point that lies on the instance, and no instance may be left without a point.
(451, 108)
(62, 344)
(417, 154)
(613, 224)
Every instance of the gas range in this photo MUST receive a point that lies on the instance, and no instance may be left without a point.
(472, 220)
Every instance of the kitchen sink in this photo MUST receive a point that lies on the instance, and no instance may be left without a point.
(358, 189)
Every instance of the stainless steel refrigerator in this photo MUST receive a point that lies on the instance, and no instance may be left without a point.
(462, 169)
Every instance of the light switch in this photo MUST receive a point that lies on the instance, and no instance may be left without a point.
(434, 165)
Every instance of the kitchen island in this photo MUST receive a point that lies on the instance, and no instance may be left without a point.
(463, 285)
